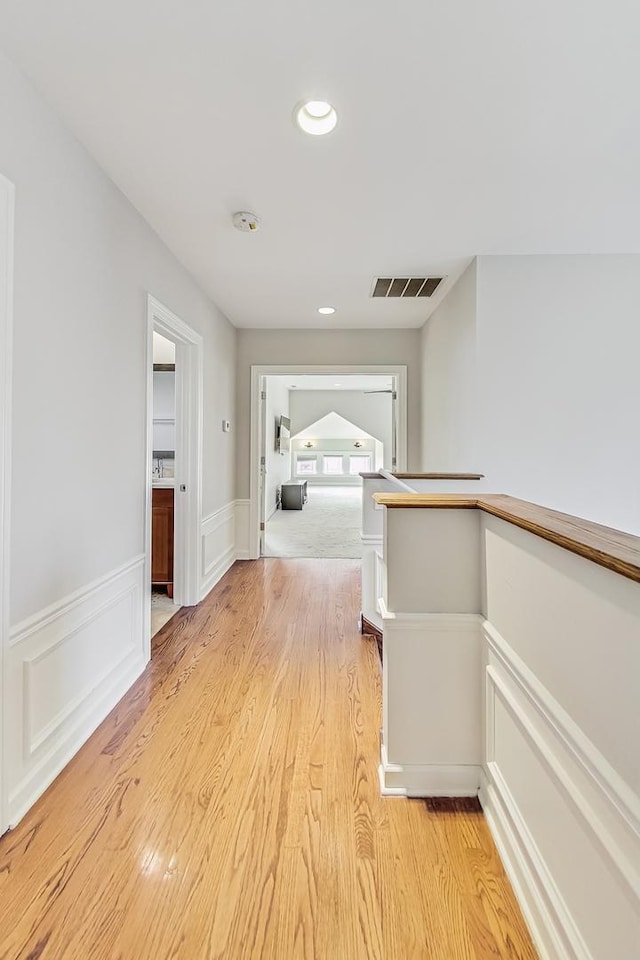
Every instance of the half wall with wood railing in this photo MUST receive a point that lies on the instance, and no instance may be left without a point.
(371, 531)
(512, 670)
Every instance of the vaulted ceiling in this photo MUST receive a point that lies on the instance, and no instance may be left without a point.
(464, 127)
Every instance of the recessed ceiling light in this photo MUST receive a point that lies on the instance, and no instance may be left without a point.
(316, 117)
(326, 310)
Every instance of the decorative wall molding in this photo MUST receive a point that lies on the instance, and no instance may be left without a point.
(544, 910)
(370, 578)
(427, 780)
(431, 673)
(578, 783)
(614, 789)
(242, 535)
(66, 605)
(452, 622)
(35, 736)
(67, 667)
(218, 547)
(372, 539)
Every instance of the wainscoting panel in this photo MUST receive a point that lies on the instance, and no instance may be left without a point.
(242, 532)
(567, 825)
(432, 704)
(370, 579)
(218, 546)
(67, 667)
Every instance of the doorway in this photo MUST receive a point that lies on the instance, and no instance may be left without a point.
(163, 604)
(6, 328)
(315, 429)
(174, 483)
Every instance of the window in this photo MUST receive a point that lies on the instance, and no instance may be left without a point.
(359, 464)
(332, 466)
(306, 466)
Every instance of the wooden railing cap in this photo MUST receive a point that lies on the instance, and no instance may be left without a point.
(614, 549)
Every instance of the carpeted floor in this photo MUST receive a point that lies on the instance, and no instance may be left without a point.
(327, 526)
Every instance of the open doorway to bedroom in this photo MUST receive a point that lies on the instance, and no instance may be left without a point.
(320, 432)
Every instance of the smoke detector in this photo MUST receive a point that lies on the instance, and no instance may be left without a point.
(246, 222)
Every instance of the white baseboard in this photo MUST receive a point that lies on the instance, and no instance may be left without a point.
(428, 780)
(67, 667)
(216, 571)
(543, 908)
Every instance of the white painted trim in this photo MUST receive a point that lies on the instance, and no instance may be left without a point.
(30, 625)
(604, 777)
(7, 215)
(427, 780)
(189, 416)
(215, 569)
(442, 622)
(373, 539)
(259, 371)
(33, 786)
(612, 848)
(547, 917)
(44, 744)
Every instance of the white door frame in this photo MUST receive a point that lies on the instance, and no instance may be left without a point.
(259, 371)
(188, 479)
(262, 455)
(7, 201)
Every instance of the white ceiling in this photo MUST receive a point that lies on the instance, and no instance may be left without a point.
(464, 128)
(333, 382)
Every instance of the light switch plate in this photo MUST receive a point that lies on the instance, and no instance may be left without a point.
(226, 426)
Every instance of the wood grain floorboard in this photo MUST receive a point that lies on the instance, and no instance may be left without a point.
(229, 809)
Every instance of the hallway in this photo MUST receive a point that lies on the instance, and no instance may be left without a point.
(229, 806)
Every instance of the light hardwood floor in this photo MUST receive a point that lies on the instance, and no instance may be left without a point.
(229, 806)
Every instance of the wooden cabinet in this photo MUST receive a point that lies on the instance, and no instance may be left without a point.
(162, 538)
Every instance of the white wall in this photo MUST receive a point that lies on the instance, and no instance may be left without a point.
(278, 465)
(559, 383)
(84, 262)
(449, 382)
(371, 412)
(538, 388)
(342, 347)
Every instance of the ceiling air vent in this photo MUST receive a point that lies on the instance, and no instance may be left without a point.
(406, 286)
